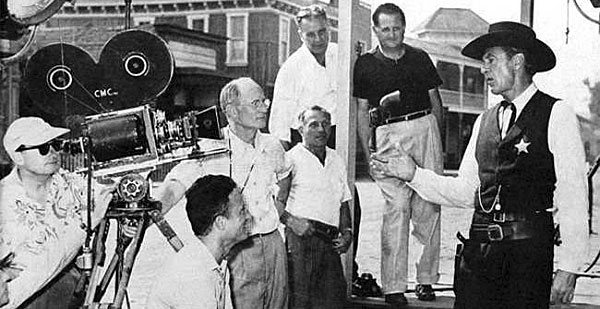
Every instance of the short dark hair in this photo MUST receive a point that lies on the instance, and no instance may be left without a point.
(317, 108)
(512, 51)
(388, 9)
(311, 11)
(207, 199)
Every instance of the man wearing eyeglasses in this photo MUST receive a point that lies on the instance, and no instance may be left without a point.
(43, 217)
(401, 82)
(256, 162)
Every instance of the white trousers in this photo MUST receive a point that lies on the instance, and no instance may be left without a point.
(421, 139)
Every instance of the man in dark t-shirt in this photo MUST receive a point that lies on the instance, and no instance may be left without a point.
(403, 82)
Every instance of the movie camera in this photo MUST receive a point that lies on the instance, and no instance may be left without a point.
(116, 145)
(142, 138)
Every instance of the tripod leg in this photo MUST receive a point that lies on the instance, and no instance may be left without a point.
(99, 250)
(128, 262)
(110, 271)
(167, 231)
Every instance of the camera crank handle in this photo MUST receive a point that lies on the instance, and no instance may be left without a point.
(166, 229)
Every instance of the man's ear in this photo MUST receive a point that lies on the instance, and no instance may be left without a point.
(301, 130)
(519, 60)
(230, 110)
(18, 158)
(220, 223)
(300, 35)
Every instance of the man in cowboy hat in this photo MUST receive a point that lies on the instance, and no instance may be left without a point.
(523, 171)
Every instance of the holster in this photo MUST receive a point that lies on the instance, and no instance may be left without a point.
(471, 260)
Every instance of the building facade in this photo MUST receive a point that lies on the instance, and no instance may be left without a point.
(464, 91)
(212, 41)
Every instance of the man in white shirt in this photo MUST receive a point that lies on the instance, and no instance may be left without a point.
(524, 166)
(197, 276)
(307, 78)
(256, 162)
(43, 217)
(317, 217)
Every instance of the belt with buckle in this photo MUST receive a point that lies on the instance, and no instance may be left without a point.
(407, 117)
(501, 216)
(329, 231)
(504, 232)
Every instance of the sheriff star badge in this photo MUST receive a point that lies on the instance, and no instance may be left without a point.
(522, 146)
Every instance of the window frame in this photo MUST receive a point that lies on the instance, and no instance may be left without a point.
(143, 20)
(192, 18)
(244, 60)
(282, 20)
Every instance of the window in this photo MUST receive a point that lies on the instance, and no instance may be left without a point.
(473, 81)
(284, 39)
(198, 22)
(450, 74)
(237, 45)
(143, 20)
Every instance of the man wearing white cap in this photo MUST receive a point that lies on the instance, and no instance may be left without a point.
(42, 217)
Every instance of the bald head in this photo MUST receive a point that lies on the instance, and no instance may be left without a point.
(230, 94)
(244, 103)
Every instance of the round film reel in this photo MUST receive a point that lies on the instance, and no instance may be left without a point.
(138, 65)
(60, 80)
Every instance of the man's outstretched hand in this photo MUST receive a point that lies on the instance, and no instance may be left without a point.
(401, 165)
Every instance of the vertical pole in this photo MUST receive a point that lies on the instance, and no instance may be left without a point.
(346, 111)
(128, 14)
(527, 12)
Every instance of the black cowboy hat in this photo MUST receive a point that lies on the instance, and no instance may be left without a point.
(516, 35)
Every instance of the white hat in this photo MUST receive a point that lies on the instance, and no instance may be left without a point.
(29, 131)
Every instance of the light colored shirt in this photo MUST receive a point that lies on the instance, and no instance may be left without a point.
(255, 169)
(570, 202)
(317, 190)
(45, 237)
(301, 83)
(191, 278)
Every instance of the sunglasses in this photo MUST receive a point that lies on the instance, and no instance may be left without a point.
(44, 149)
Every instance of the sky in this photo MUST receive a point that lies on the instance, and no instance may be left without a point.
(576, 60)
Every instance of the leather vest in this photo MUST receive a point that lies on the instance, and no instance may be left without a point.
(520, 166)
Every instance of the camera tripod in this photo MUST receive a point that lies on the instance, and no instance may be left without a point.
(142, 213)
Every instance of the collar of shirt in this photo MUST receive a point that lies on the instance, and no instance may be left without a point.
(521, 100)
(330, 55)
(308, 154)
(237, 142)
(379, 54)
(58, 184)
(206, 256)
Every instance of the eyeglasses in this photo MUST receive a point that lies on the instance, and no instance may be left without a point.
(44, 149)
(259, 103)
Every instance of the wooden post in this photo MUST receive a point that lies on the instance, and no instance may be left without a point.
(346, 108)
(527, 12)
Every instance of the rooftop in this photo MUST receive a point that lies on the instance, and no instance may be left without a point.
(445, 20)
